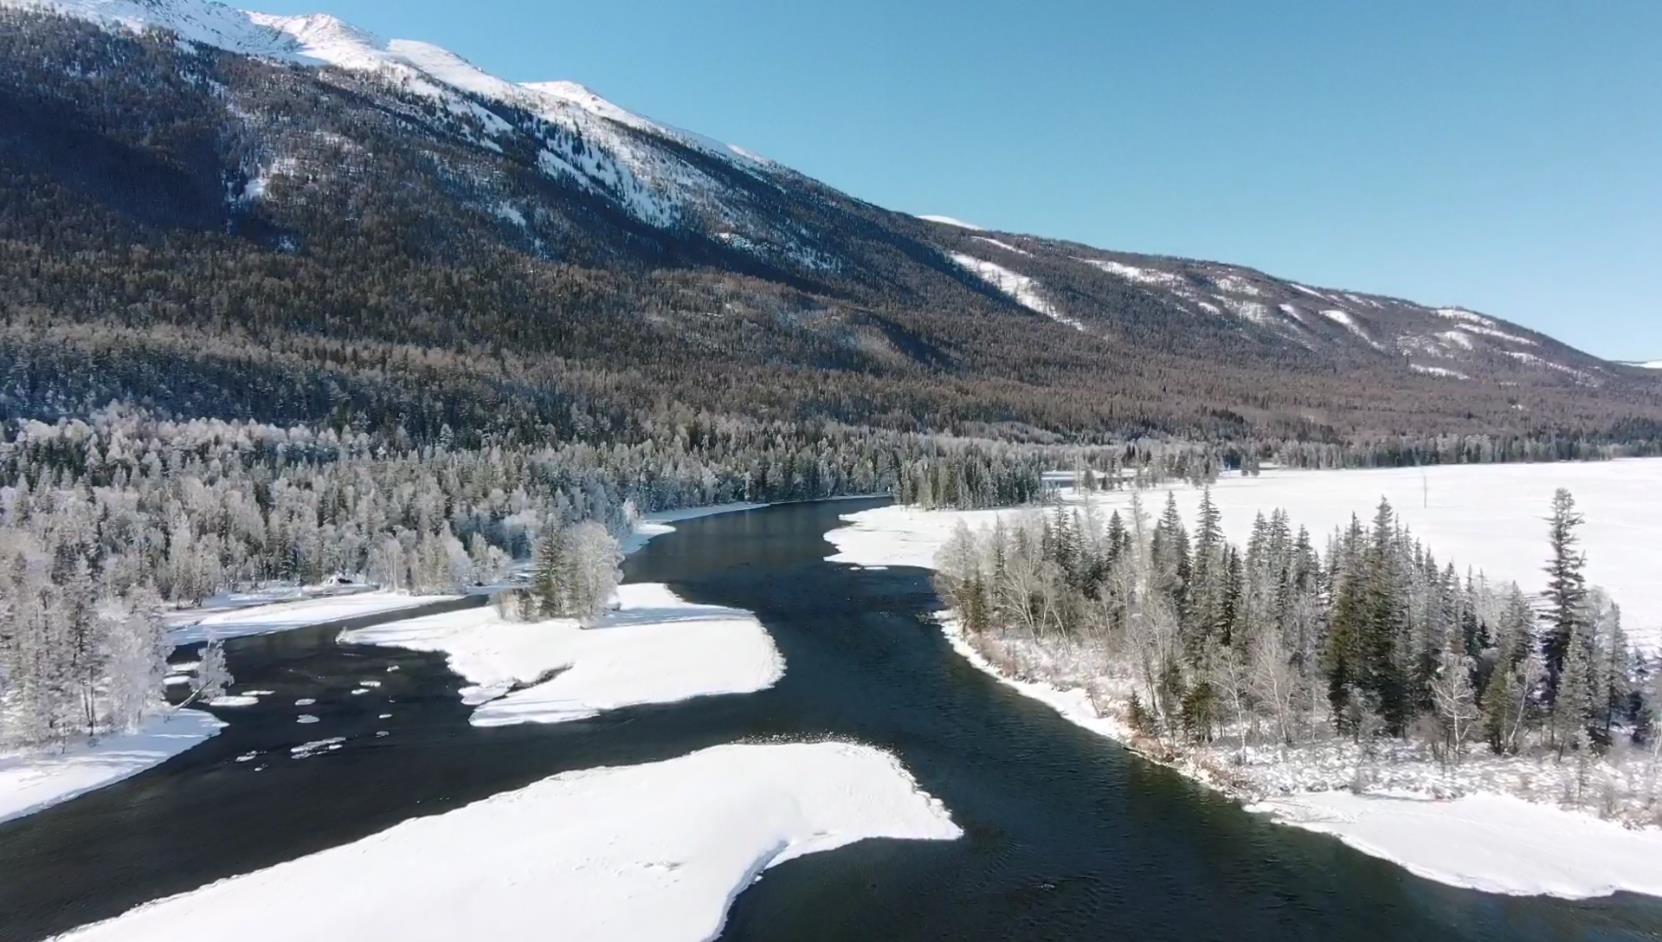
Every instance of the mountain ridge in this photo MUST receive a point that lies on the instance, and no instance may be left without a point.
(317, 135)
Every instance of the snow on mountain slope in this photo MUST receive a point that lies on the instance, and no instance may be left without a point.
(955, 223)
(660, 175)
(1020, 288)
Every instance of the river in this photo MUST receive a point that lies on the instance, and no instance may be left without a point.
(1067, 836)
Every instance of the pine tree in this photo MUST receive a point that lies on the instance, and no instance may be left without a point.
(548, 583)
(1566, 588)
(1384, 627)
(1572, 709)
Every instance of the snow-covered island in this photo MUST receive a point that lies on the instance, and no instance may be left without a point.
(647, 853)
(1525, 821)
(654, 648)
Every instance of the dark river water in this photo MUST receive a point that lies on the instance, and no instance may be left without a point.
(1066, 835)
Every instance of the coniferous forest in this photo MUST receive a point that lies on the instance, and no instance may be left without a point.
(1352, 659)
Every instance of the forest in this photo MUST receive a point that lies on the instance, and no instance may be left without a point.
(1267, 662)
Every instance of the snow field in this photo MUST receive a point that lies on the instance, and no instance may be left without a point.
(644, 853)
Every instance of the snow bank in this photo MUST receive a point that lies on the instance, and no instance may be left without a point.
(656, 648)
(33, 781)
(1486, 842)
(1486, 517)
(239, 622)
(649, 852)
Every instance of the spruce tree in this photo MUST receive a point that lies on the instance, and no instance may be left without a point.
(1566, 588)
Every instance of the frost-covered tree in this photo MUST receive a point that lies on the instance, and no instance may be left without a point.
(213, 674)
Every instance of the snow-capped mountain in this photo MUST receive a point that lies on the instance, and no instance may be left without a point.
(311, 140)
(660, 176)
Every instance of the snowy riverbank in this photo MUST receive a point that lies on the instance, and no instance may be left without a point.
(34, 781)
(646, 661)
(649, 852)
(656, 648)
(1483, 839)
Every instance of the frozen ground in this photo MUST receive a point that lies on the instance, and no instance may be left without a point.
(1484, 517)
(30, 782)
(644, 853)
(656, 648)
(1487, 517)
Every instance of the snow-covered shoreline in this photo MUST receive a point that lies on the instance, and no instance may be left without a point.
(35, 781)
(655, 648)
(647, 852)
(236, 618)
(1482, 841)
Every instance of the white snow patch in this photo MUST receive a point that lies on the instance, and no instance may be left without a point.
(1350, 323)
(1004, 245)
(949, 221)
(1530, 359)
(1456, 338)
(224, 621)
(508, 213)
(1018, 287)
(1497, 334)
(656, 648)
(1486, 842)
(1438, 371)
(308, 749)
(1461, 314)
(1145, 276)
(305, 719)
(1246, 310)
(1231, 283)
(645, 853)
(32, 781)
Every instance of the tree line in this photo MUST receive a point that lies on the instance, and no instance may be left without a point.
(1370, 638)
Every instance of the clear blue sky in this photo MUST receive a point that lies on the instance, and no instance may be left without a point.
(1502, 155)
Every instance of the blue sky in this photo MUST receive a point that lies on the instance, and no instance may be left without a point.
(1504, 156)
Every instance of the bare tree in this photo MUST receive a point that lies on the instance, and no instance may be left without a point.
(1455, 701)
